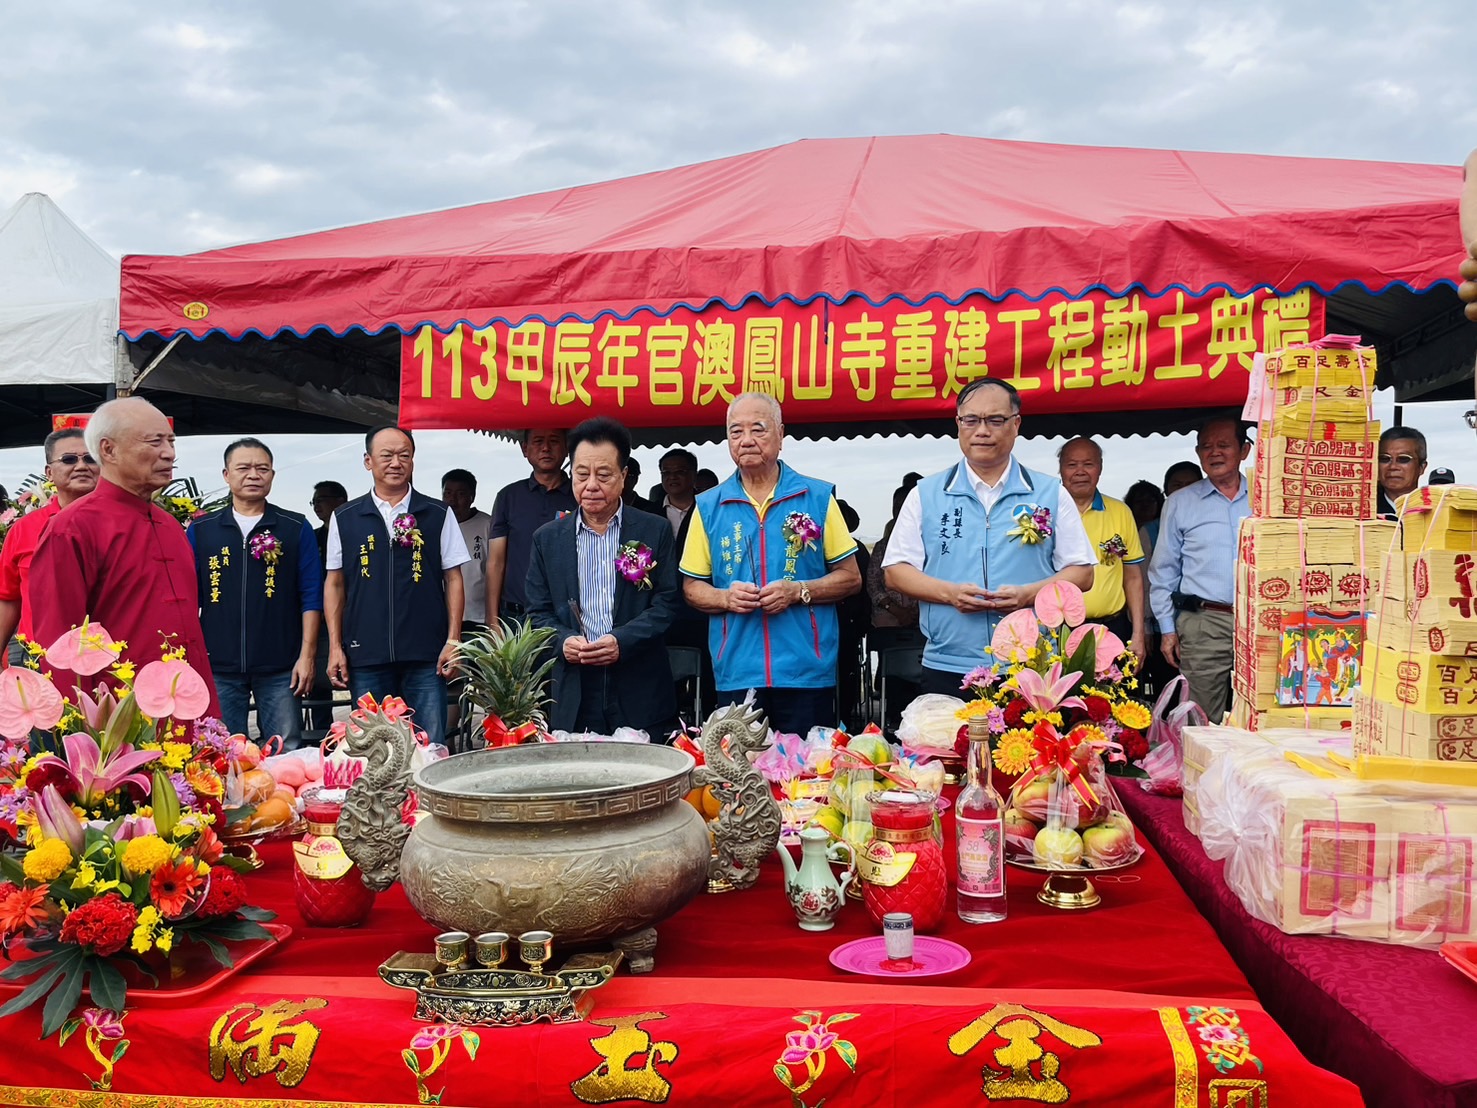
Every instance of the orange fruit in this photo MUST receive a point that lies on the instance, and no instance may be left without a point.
(257, 785)
(271, 813)
(705, 801)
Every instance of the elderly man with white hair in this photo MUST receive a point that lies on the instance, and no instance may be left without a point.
(768, 556)
(117, 558)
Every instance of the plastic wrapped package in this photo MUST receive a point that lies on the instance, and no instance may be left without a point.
(1065, 816)
(1202, 745)
(930, 725)
(1311, 849)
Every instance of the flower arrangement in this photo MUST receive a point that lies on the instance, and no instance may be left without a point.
(267, 547)
(1032, 524)
(1058, 698)
(34, 493)
(801, 532)
(1113, 549)
(117, 816)
(182, 499)
(635, 563)
(404, 532)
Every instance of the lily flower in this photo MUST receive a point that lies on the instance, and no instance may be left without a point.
(1045, 691)
(27, 701)
(57, 820)
(91, 775)
(97, 709)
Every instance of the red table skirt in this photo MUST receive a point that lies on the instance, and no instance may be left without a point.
(1132, 1003)
(1396, 1020)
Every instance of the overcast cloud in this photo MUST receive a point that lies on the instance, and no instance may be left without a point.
(170, 128)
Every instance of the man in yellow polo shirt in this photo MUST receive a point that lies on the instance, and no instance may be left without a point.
(767, 558)
(1117, 596)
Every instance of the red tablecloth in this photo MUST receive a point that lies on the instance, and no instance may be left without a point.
(1396, 1020)
(1136, 1002)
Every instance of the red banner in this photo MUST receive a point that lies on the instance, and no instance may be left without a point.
(852, 361)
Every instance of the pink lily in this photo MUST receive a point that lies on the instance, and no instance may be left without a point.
(165, 689)
(427, 1037)
(97, 711)
(93, 776)
(1044, 692)
(57, 820)
(27, 701)
(131, 826)
(800, 1045)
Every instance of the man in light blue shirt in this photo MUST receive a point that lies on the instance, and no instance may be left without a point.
(1192, 574)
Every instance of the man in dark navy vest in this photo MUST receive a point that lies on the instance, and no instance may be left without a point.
(261, 598)
(394, 594)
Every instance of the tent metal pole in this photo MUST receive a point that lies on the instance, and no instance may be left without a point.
(153, 364)
(1399, 415)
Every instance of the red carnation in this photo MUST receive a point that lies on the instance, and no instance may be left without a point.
(51, 773)
(104, 923)
(1134, 745)
(1015, 712)
(1099, 709)
(227, 893)
(961, 741)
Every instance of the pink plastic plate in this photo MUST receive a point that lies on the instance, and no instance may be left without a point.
(930, 957)
(1462, 957)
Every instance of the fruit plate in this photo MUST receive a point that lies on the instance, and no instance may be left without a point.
(1037, 867)
(931, 957)
(289, 830)
(1461, 957)
(199, 972)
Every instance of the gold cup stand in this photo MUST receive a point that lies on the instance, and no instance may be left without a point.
(1069, 891)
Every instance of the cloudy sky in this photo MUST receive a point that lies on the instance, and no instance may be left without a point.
(169, 128)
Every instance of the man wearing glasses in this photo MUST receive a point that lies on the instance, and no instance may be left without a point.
(978, 541)
(74, 473)
(328, 497)
(1402, 461)
(261, 598)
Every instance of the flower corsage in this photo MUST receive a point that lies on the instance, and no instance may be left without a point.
(800, 532)
(1112, 549)
(266, 547)
(405, 532)
(635, 563)
(1032, 524)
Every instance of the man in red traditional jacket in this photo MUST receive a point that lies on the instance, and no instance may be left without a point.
(74, 473)
(116, 557)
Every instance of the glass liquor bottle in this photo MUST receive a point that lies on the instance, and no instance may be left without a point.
(978, 823)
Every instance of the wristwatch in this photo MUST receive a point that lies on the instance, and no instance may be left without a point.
(804, 592)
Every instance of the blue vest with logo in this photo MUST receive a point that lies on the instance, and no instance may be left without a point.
(246, 630)
(796, 648)
(960, 542)
(390, 617)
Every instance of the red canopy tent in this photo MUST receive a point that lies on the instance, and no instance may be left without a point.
(865, 278)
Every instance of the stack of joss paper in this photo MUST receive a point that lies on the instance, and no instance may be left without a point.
(1419, 696)
(1306, 571)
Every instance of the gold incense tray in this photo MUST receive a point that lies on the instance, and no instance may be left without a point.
(498, 997)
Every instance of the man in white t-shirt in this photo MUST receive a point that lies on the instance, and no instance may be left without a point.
(458, 491)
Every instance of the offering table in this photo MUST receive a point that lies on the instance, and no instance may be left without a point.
(1396, 1020)
(1135, 1002)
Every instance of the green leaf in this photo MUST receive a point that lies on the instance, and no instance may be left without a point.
(1084, 658)
(67, 1030)
(471, 1040)
(34, 991)
(411, 1060)
(107, 987)
(847, 1050)
(63, 998)
(217, 950)
(120, 1050)
(261, 915)
(12, 869)
(232, 861)
(234, 930)
(842, 1017)
(16, 970)
(236, 815)
(783, 1073)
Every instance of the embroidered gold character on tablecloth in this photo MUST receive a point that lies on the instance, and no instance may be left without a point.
(629, 1070)
(255, 1041)
(1019, 1027)
(1231, 1092)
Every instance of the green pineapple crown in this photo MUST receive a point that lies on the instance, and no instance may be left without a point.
(507, 669)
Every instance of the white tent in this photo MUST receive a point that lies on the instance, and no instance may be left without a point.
(58, 299)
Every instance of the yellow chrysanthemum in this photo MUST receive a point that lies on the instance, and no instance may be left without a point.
(146, 853)
(176, 754)
(1087, 733)
(1132, 714)
(973, 709)
(1013, 752)
(46, 861)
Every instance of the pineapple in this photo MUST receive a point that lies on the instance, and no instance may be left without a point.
(507, 669)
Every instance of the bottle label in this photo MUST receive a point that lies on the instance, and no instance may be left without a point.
(879, 864)
(322, 857)
(981, 860)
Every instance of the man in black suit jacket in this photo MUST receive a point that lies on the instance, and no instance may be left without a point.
(605, 578)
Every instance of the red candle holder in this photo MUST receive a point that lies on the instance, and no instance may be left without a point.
(902, 869)
(329, 888)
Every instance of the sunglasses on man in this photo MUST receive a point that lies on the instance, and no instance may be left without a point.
(73, 459)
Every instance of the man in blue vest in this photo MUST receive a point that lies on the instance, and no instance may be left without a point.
(978, 541)
(261, 598)
(394, 594)
(767, 557)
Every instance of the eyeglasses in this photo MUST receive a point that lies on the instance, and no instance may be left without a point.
(1402, 459)
(73, 459)
(994, 422)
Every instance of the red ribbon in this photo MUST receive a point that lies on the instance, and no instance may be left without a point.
(496, 732)
(1052, 754)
